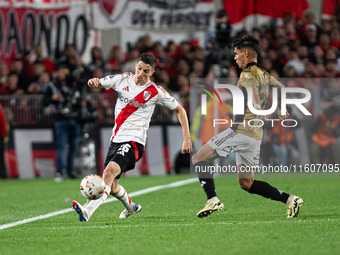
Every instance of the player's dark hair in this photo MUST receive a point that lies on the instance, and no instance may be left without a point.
(148, 58)
(248, 42)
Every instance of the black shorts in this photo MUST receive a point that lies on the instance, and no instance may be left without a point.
(125, 155)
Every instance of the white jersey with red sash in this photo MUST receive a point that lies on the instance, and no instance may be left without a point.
(134, 107)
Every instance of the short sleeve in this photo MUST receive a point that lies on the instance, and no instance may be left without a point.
(248, 79)
(111, 81)
(272, 81)
(165, 99)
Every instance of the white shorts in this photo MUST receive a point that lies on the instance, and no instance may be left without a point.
(247, 149)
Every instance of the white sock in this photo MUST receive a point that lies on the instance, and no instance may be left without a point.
(123, 197)
(94, 204)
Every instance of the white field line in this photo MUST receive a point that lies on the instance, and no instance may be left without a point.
(176, 225)
(132, 194)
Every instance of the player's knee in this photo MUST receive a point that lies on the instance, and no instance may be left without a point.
(194, 159)
(245, 183)
(112, 170)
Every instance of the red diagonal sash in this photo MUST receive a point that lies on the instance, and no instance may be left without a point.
(130, 109)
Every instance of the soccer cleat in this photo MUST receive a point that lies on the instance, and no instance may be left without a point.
(82, 212)
(126, 213)
(293, 206)
(212, 205)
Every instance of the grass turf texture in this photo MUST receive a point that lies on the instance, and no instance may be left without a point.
(168, 224)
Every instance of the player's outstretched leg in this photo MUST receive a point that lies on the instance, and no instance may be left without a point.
(88, 209)
(213, 203)
(81, 210)
(130, 207)
(264, 189)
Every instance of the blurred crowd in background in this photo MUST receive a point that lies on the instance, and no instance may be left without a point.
(295, 49)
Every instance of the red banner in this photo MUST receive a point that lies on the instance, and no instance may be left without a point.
(238, 10)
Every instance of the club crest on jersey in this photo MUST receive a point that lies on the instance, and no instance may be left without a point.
(147, 95)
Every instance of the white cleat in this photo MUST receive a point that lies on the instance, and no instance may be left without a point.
(127, 214)
(212, 205)
(293, 206)
(81, 210)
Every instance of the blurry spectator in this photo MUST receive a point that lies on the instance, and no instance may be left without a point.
(264, 46)
(34, 88)
(326, 131)
(160, 54)
(97, 59)
(197, 69)
(183, 67)
(325, 41)
(308, 18)
(171, 49)
(311, 37)
(63, 100)
(333, 54)
(335, 38)
(295, 62)
(12, 86)
(38, 55)
(197, 53)
(70, 49)
(303, 54)
(183, 51)
(320, 70)
(275, 61)
(44, 81)
(132, 58)
(3, 72)
(183, 83)
(326, 25)
(147, 43)
(116, 62)
(38, 68)
(331, 69)
(255, 32)
(17, 67)
(3, 135)
(317, 55)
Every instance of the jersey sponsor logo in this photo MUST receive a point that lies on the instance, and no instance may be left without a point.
(124, 149)
(130, 108)
(146, 95)
(133, 102)
(126, 88)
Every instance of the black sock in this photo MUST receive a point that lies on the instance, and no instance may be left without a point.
(206, 180)
(267, 191)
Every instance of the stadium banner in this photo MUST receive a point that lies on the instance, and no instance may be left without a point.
(23, 24)
(330, 8)
(249, 13)
(162, 20)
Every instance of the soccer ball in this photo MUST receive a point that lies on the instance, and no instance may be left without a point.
(92, 187)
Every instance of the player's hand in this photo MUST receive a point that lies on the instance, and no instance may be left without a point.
(93, 83)
(186, 147)
(282, 117)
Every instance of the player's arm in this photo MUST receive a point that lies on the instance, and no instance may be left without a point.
(280, 86)
(183, 120)
(108, 82)
(256, 98)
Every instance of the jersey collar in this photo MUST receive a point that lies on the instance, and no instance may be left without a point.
(249, 65)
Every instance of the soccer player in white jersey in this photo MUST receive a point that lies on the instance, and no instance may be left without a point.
(137, 97)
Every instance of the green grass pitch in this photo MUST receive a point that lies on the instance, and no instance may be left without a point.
(168, 224)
